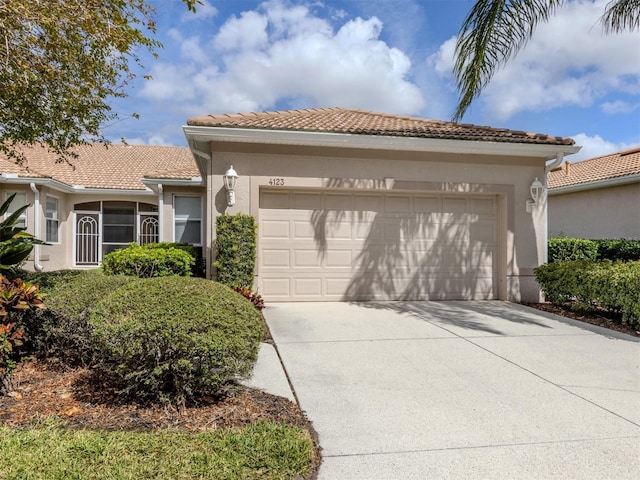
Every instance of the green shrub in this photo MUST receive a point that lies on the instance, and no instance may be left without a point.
(235, 250)
(63, 332)
(175, 338)
(590, 286)
(621, 249)
(562, 249)
(48, 279)
(148, 261)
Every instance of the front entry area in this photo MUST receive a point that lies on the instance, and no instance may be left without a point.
(336, 245)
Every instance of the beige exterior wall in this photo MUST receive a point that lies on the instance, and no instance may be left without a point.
(522, 235)
(612, 212)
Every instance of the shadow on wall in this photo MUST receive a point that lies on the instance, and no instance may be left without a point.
(421, 255)
(468, 315)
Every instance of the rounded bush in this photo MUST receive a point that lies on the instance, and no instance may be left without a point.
(175, 338)
(64, 332)
(148, 261)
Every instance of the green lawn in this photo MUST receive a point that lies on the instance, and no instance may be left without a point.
(264, 450)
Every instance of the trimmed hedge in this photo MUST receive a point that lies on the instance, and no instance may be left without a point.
(562, 249)
(149, 261)
(589, 286)
(621, 249)
(175, 339)
(64, 333)
(236, 250)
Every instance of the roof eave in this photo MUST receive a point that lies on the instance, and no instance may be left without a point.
(175, 182)
(199, 136)
(605, 183)
(81, 189)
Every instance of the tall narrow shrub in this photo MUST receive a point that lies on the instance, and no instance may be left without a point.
(236, 249)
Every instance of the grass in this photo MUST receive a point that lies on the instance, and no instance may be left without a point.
(264, 450)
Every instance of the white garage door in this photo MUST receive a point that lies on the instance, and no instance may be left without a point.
(327, 246)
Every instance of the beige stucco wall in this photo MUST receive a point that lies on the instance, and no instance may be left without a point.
(522, 240)
(612, 212)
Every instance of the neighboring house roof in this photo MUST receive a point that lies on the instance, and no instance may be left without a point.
(619, 167)
(114, 167)
(360, 122)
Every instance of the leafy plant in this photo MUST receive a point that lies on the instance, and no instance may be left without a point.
(15, 243)
(255, 299)
(236, 250)
(175, 339)
(561, 249)
(63, 332)
(591, 286)
(16, 298)
(148, 261)
(620, 249)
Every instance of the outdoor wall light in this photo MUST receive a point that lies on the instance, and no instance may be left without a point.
(230, 178)
(537, 189)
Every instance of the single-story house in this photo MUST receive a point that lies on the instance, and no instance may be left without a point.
(350, 204)
(356, 205)
(596, 198)
(109, 197)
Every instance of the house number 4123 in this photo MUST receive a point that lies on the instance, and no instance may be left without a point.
(277, 182)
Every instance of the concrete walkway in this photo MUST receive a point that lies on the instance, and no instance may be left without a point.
(404, 390)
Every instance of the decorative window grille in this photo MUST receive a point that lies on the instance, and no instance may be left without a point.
(149, 230)
(87, 236)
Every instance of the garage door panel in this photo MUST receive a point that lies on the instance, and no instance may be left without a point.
(275, 229)
(368, 203)
(365, 246)
(339, 202)
(339, 258)
(483, 231)
(276, 287)
(278, 200)
(308, 287)
(272, 258)
(307, 201)
(306, 258)
(454, 205)
(483, 206)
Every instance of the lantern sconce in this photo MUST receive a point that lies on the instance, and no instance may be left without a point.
(230, 178)
(537, 190)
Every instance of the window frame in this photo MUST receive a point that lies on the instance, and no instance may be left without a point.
(48, 219)
(176, 217)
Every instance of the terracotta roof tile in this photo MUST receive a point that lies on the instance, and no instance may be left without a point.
(360, 122)
(614, 165)
(112, 167)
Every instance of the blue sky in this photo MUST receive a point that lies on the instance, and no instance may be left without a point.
(392, 56)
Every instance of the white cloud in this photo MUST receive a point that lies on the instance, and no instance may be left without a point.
(569, 61)
(619, 106)
(595, 146)
(284, 54)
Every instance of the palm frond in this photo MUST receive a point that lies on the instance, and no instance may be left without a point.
(493, 32)
(621, 15)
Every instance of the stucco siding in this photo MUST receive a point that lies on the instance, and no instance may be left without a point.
(612, 212)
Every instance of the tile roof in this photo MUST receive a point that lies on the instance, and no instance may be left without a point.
(112, 167)
(614, 165)
(360, 122)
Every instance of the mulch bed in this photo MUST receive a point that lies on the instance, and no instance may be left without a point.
(604, 319)
(42, 390)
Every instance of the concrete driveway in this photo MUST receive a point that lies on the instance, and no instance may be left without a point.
(401, 390)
